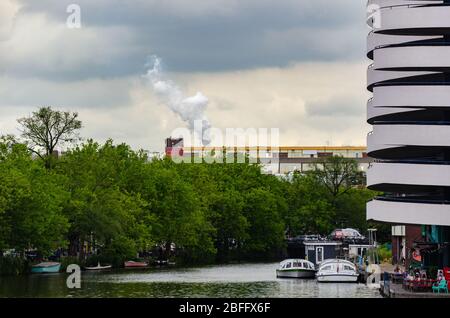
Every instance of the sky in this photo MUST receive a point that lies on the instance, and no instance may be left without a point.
(296, 65)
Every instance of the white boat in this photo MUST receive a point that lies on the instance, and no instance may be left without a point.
(337, 270)
(296, 268)
(97, 268)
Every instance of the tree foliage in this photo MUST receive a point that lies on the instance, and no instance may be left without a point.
(47, 128)
(114, 202)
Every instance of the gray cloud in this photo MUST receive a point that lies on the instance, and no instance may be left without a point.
(345, 106)
(211, 36)
(296, 65)
(93, 93)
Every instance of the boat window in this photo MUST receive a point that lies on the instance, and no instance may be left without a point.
(348, 268)
(288, 265)
(327, 268)
(296, 264)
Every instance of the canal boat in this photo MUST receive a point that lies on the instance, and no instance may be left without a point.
(98, 267)
(133, 264)
(337, 271)
(46, 267)
(296, 268)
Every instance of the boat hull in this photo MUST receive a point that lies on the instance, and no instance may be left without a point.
(296, 273)
(97, 268)
(46, 269)
(337, 278)
(136, 265)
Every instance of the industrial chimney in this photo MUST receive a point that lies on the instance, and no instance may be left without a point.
(174, 147)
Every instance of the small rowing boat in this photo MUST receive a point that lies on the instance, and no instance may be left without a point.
(97, 268)
(133, 264)
(46, 267)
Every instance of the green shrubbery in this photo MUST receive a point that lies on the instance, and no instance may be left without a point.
(385, 253)
(12, 265)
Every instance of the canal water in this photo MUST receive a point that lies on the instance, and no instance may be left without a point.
(241, 280)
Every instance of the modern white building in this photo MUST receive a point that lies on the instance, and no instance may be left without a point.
(410, 113)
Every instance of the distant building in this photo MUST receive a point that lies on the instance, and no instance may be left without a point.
(287, 159)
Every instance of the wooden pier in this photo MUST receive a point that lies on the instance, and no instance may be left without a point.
(396, 291)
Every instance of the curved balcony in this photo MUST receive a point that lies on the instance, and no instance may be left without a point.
(396, 3)
(375, 77)
(389, 100)
(411, 96)
(393, 136)
(376, 112)
(413, 58)
(414, 19)
(376, 40)
(386, 173)
(399, 212)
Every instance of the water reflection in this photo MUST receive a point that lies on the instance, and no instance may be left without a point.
(243, 280)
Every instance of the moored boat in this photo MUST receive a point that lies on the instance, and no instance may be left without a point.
(164, 263)
(98, 267)
(296, 268)
(337, 271)
(46, 267)
(133, 264)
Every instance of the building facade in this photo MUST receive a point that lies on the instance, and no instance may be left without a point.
(410, 113)
(286, 159)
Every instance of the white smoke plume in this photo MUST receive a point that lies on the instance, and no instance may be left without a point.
(190, 109)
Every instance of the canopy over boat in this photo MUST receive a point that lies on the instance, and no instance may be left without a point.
(337, 270)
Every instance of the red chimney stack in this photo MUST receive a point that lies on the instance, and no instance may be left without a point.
(174, 147)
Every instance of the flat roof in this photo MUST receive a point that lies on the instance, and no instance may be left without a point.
(322, 243)
(282, 148)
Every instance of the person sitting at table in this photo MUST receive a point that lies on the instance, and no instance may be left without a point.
(397, 270)
(440, 275)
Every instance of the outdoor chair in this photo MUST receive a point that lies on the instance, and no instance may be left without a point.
(440, 286)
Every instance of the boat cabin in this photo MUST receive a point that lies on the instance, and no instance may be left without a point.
(318, 251)
(296, 264)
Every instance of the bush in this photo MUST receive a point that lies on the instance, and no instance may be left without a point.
(115, 254)
(13, 265)
(385, 253)
(67, 260)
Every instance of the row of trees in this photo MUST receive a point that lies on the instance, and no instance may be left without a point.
(119, 202)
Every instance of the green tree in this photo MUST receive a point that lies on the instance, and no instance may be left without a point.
(31, 201)
(103, 210)
(338, 174)
(181, 220)
(47, 128)
(266, 228)
(230, 223)
(310, 210)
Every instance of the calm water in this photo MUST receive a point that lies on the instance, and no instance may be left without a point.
(243, 280)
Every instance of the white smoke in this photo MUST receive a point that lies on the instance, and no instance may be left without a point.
(190, 109)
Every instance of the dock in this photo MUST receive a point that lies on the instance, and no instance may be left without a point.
(391, 290)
